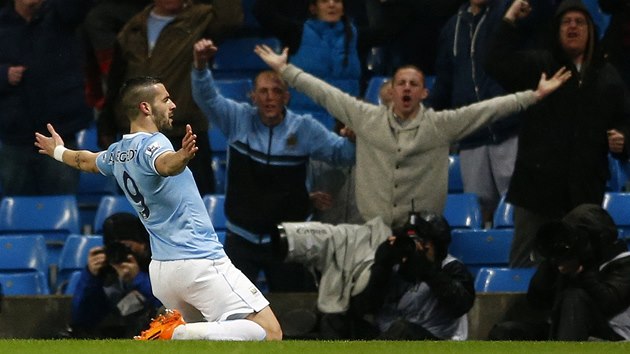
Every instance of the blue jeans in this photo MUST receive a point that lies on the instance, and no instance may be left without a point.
(23, 171)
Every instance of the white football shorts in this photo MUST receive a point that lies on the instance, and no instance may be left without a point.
(205, 290)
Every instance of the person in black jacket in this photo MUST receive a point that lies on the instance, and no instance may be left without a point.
(415, 291)
(582, 285)
(564, 142)
(41, 81)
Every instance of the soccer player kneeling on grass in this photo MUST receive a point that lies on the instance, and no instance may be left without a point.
(189, 270)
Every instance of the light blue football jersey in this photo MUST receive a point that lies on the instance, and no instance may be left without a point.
(170, 208)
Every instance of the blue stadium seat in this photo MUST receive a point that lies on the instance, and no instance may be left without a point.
(74, 256)
(73, 281)
(503, 215)
(455, 184)
(482, 248)
(54, 216)
(48, 214)
(300, 103)
(22, 252)
(92, 185)
(320, 115)
(619, 174)
(23, 266)
(237, 89)
(221, 235)
(109, 205)
(236, 57)
(462, 211)
(513, 280)
(261, 282)
(373, 89)
(218, 142)
(214, 204)
(600, 19)
(429, 81)
(617, 204)
(20, 284)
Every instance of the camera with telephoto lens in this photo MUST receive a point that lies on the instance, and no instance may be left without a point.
(117, 252)
(561, 242)
(408, 235)
(425, 226)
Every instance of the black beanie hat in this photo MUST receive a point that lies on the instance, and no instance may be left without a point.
(567, 5)
(124, 226)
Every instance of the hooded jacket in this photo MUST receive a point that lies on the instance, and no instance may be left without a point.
(562, 158)
(606, 273)
(460, 76)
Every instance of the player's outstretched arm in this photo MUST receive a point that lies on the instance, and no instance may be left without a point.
(174, 163)
(53, 146)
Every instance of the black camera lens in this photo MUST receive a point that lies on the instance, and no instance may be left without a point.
(117, 252)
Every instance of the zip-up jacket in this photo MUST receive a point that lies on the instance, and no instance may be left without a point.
(267, 166)
(52, 87)
(170, 59)
(460, 76)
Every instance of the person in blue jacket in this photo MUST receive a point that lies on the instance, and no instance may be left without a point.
(113, 298)
(269, 151)
(325, 44)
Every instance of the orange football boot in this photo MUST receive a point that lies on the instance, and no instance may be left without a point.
(162, 327)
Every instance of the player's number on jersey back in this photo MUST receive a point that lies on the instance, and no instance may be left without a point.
(133, 192)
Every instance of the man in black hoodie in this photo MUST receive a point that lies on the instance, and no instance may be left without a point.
(562, 158)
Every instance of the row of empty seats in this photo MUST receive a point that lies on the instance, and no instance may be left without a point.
(23, 266)
(54, 222)
(42, 244)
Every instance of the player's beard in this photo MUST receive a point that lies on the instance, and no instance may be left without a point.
(164, 123)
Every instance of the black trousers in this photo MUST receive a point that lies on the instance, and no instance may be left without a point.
(251, 258)
(576, 317)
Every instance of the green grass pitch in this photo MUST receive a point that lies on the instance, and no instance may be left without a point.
(19, 346)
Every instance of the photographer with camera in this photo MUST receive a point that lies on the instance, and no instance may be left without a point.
(582, 287)
(113, 298)
(400, 285)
